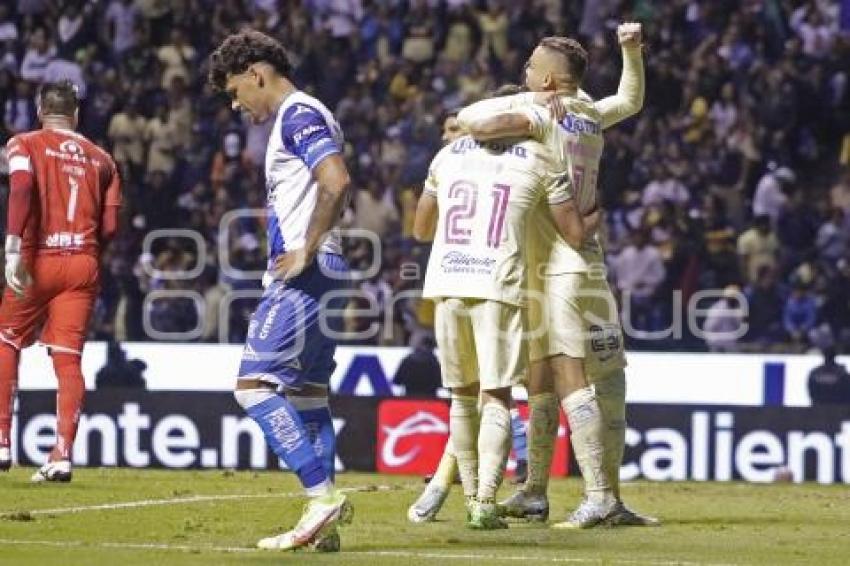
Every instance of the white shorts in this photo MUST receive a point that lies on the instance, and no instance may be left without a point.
(580, 320)
(480, 341)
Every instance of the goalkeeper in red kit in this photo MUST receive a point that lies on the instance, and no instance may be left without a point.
(64, 197)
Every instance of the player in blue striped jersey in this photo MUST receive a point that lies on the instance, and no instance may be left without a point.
(288, 357)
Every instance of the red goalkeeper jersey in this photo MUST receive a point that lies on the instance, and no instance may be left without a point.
(73, 183)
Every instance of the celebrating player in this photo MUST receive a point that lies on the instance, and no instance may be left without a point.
(287, 348)
(429, 503)
(476, 203)
(588, 328)
(63, 206)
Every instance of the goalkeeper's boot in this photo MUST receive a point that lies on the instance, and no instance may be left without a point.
(5, 458)
(320, 518)
(625, 517)
(589, 514)
(428, 505)
(484, 516)
(526, 505)
(57, 471)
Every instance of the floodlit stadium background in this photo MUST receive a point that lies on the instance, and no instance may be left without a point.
(747, 114)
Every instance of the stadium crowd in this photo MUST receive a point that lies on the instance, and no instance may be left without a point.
(735, 176)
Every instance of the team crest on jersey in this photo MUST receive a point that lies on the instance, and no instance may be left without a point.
(70, 146)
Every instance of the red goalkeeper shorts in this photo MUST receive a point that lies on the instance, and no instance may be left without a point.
(59, 302)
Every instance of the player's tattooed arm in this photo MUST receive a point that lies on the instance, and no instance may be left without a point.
(569, 222)
(334, 182)
(425, 222)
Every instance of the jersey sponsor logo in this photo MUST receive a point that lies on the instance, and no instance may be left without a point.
(576, 124)
(460, 262)
(269, 322)
(66, 156)
(466, 144)
(65, 240)
(75, 170)
(605, 340)
(298, 137)
(70, 146)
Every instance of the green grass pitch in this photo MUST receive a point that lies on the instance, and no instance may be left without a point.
(214, 517)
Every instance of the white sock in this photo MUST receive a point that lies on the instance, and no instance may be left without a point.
(494, 444)
(446, 470)
(585, 418)
(542, 431)
(320, 490)
(611, 396)
(463, 418)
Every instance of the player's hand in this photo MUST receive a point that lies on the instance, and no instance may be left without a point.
(629, 34)
(17, 276)
(292, 264)
(552, 101)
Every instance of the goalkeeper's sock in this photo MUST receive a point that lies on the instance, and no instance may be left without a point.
(8, 384)
(611, 395)
(494, 444)
(585, 419)
(69, 401)
(520, 444)
(463, 418)
(444, 477)
(286, 436)
(316, 416)
(543, 421)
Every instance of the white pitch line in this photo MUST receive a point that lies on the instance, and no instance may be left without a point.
(179, 501)
(370, 553)
(553, 559)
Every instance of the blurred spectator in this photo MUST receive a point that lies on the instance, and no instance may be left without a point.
(127, 135)
(374, 211)
(121, 19)
(119, 371)
(829, 383)
(724, 320)
(757, 248)
(800, 314)
(419, 371)
(797, 229)
(765, 302)
(20, 111)
(39, 53)
(833, 237)
(770, 196)
(176, 58)
(639, 270)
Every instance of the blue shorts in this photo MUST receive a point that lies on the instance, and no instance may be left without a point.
(288, 341)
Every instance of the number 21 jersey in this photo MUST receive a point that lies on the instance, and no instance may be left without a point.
(485, 195)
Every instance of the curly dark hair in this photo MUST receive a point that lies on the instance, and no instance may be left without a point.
(572, 51)
(58, 98)
(241, 50)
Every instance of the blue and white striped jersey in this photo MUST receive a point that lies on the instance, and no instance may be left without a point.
(304, 133)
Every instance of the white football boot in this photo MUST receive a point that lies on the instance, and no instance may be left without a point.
(428, 505)
(319, 520)
(58, 471)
